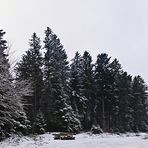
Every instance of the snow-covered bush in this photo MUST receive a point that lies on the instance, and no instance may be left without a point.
(96, 129)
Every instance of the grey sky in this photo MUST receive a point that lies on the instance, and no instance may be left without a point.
(117, 27)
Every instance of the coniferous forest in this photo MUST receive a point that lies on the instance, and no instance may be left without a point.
(51, 94)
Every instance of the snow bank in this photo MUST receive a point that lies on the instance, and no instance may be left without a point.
(82, 141)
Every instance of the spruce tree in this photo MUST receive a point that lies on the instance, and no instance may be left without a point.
(87, 90)
(139, 104)
(30, 69)
(125, 119)
(78, 100)
(12, 116)
(103, 84)
(59, 115)
(115, 72)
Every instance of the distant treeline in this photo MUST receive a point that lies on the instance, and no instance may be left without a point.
(49, 94)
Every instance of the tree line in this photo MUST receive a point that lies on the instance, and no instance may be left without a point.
(50, 93)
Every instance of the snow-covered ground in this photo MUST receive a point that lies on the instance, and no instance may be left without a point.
(81, 141)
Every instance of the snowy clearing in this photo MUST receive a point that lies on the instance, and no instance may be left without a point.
(82, 141)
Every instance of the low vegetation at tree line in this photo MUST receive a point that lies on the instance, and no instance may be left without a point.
(49, 94)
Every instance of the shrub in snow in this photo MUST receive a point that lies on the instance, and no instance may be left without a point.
(96, 129)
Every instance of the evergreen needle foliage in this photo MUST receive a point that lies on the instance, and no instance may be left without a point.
(49, 94)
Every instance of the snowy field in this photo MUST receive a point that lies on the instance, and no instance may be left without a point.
(82, 141)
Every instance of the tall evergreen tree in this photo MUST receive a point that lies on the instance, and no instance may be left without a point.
(78, 100)
(139, 104)
(115, 72)
(30, 68)
(87, 90)
(125, 119)
(60, 115)
(12, 116)
(103, 84)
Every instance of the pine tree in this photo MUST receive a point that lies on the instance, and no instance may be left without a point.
(139, 104)
(60, 115)
(115, 72)
(87, 90)
(12, 116)
(30, 69)
(125, 119)
(103, 84)
(78, 100)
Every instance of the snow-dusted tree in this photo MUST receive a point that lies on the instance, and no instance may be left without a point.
(115, 72)
(30, 69)
(139, 105)
(87, 90)
(59, 115)
(125, 119)
(12, 116)
(39, 124)
(78, 100)
(103, 84)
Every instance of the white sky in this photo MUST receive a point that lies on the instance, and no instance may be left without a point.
(117, 27)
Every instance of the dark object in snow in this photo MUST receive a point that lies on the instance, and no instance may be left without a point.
(146, 137)
(64, 136)
(96, 130)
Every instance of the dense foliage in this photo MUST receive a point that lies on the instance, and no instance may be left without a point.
(74, 97)
(12, 115)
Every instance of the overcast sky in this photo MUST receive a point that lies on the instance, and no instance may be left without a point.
(116, 27)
